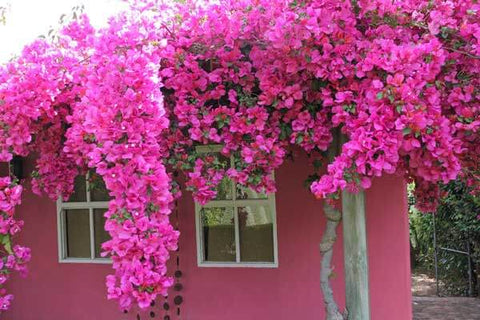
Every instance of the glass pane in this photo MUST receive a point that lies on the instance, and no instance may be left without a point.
(218, 228)
(80, 190)
(77, 233)
(247, 193)
(100, 234)
(224, 189)
(256, 233)
(98, 190)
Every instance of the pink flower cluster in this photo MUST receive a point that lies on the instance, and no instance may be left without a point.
(13, 257)
(96, 103)
(116, 128)
(384, 75)
(204, 178)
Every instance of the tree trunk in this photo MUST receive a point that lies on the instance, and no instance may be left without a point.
(355, 254)
(328, 240)
(326, 250)
(355, 250)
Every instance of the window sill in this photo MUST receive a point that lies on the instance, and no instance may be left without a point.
(85, 260)
(268, 265)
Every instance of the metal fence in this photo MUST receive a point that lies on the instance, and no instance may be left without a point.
(467, 253)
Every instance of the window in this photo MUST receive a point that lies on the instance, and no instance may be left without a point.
(238, 227)
(81, 222)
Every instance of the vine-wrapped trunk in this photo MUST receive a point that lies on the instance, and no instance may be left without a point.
(333, 217)
(326, 250)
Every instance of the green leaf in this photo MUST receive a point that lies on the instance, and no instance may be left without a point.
(319, 83)
(350, 108)
(299, 139)
(380, 95)
(5, 239)
(317, 163)
(285, 131)
(406, 131)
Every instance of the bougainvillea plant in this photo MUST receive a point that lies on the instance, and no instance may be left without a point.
(398, 79)
(16, 257)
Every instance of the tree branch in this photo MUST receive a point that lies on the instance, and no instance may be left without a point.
(463, 52)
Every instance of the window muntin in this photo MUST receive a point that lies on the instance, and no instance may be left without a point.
(238, 227)
(81, 222)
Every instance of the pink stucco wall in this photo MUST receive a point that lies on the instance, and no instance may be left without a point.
(55, 291)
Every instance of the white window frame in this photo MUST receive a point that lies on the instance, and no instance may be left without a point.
(234, 203)
(61, 228)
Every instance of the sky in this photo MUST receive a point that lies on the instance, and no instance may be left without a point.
(28, 19)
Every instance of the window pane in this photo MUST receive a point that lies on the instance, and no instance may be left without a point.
(224, 189)
(100, 234)
(247, 193)
(256, 233)
(80, 190)
(98, 190)
(77, 224)
(218, 229)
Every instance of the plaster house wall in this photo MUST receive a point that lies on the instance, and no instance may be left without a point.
(59, 291)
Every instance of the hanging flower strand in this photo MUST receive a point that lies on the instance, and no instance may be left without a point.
(13, 256)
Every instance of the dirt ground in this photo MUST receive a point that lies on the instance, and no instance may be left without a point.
(427, 306)
(448, 308)
(423, 285)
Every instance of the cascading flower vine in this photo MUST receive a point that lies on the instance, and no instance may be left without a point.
(13, 257)
(133, 101)
(110, 123)
(116, 127)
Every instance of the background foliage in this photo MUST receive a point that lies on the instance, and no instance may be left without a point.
(457, 225)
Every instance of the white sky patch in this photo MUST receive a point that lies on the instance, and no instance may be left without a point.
(28, 19)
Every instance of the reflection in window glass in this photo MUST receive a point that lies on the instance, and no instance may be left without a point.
(247, 193)
(98, 190)
(99, 228)
(80, 190)
(255, 225)
(218, 228)
(224, 189)
(77, 233)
